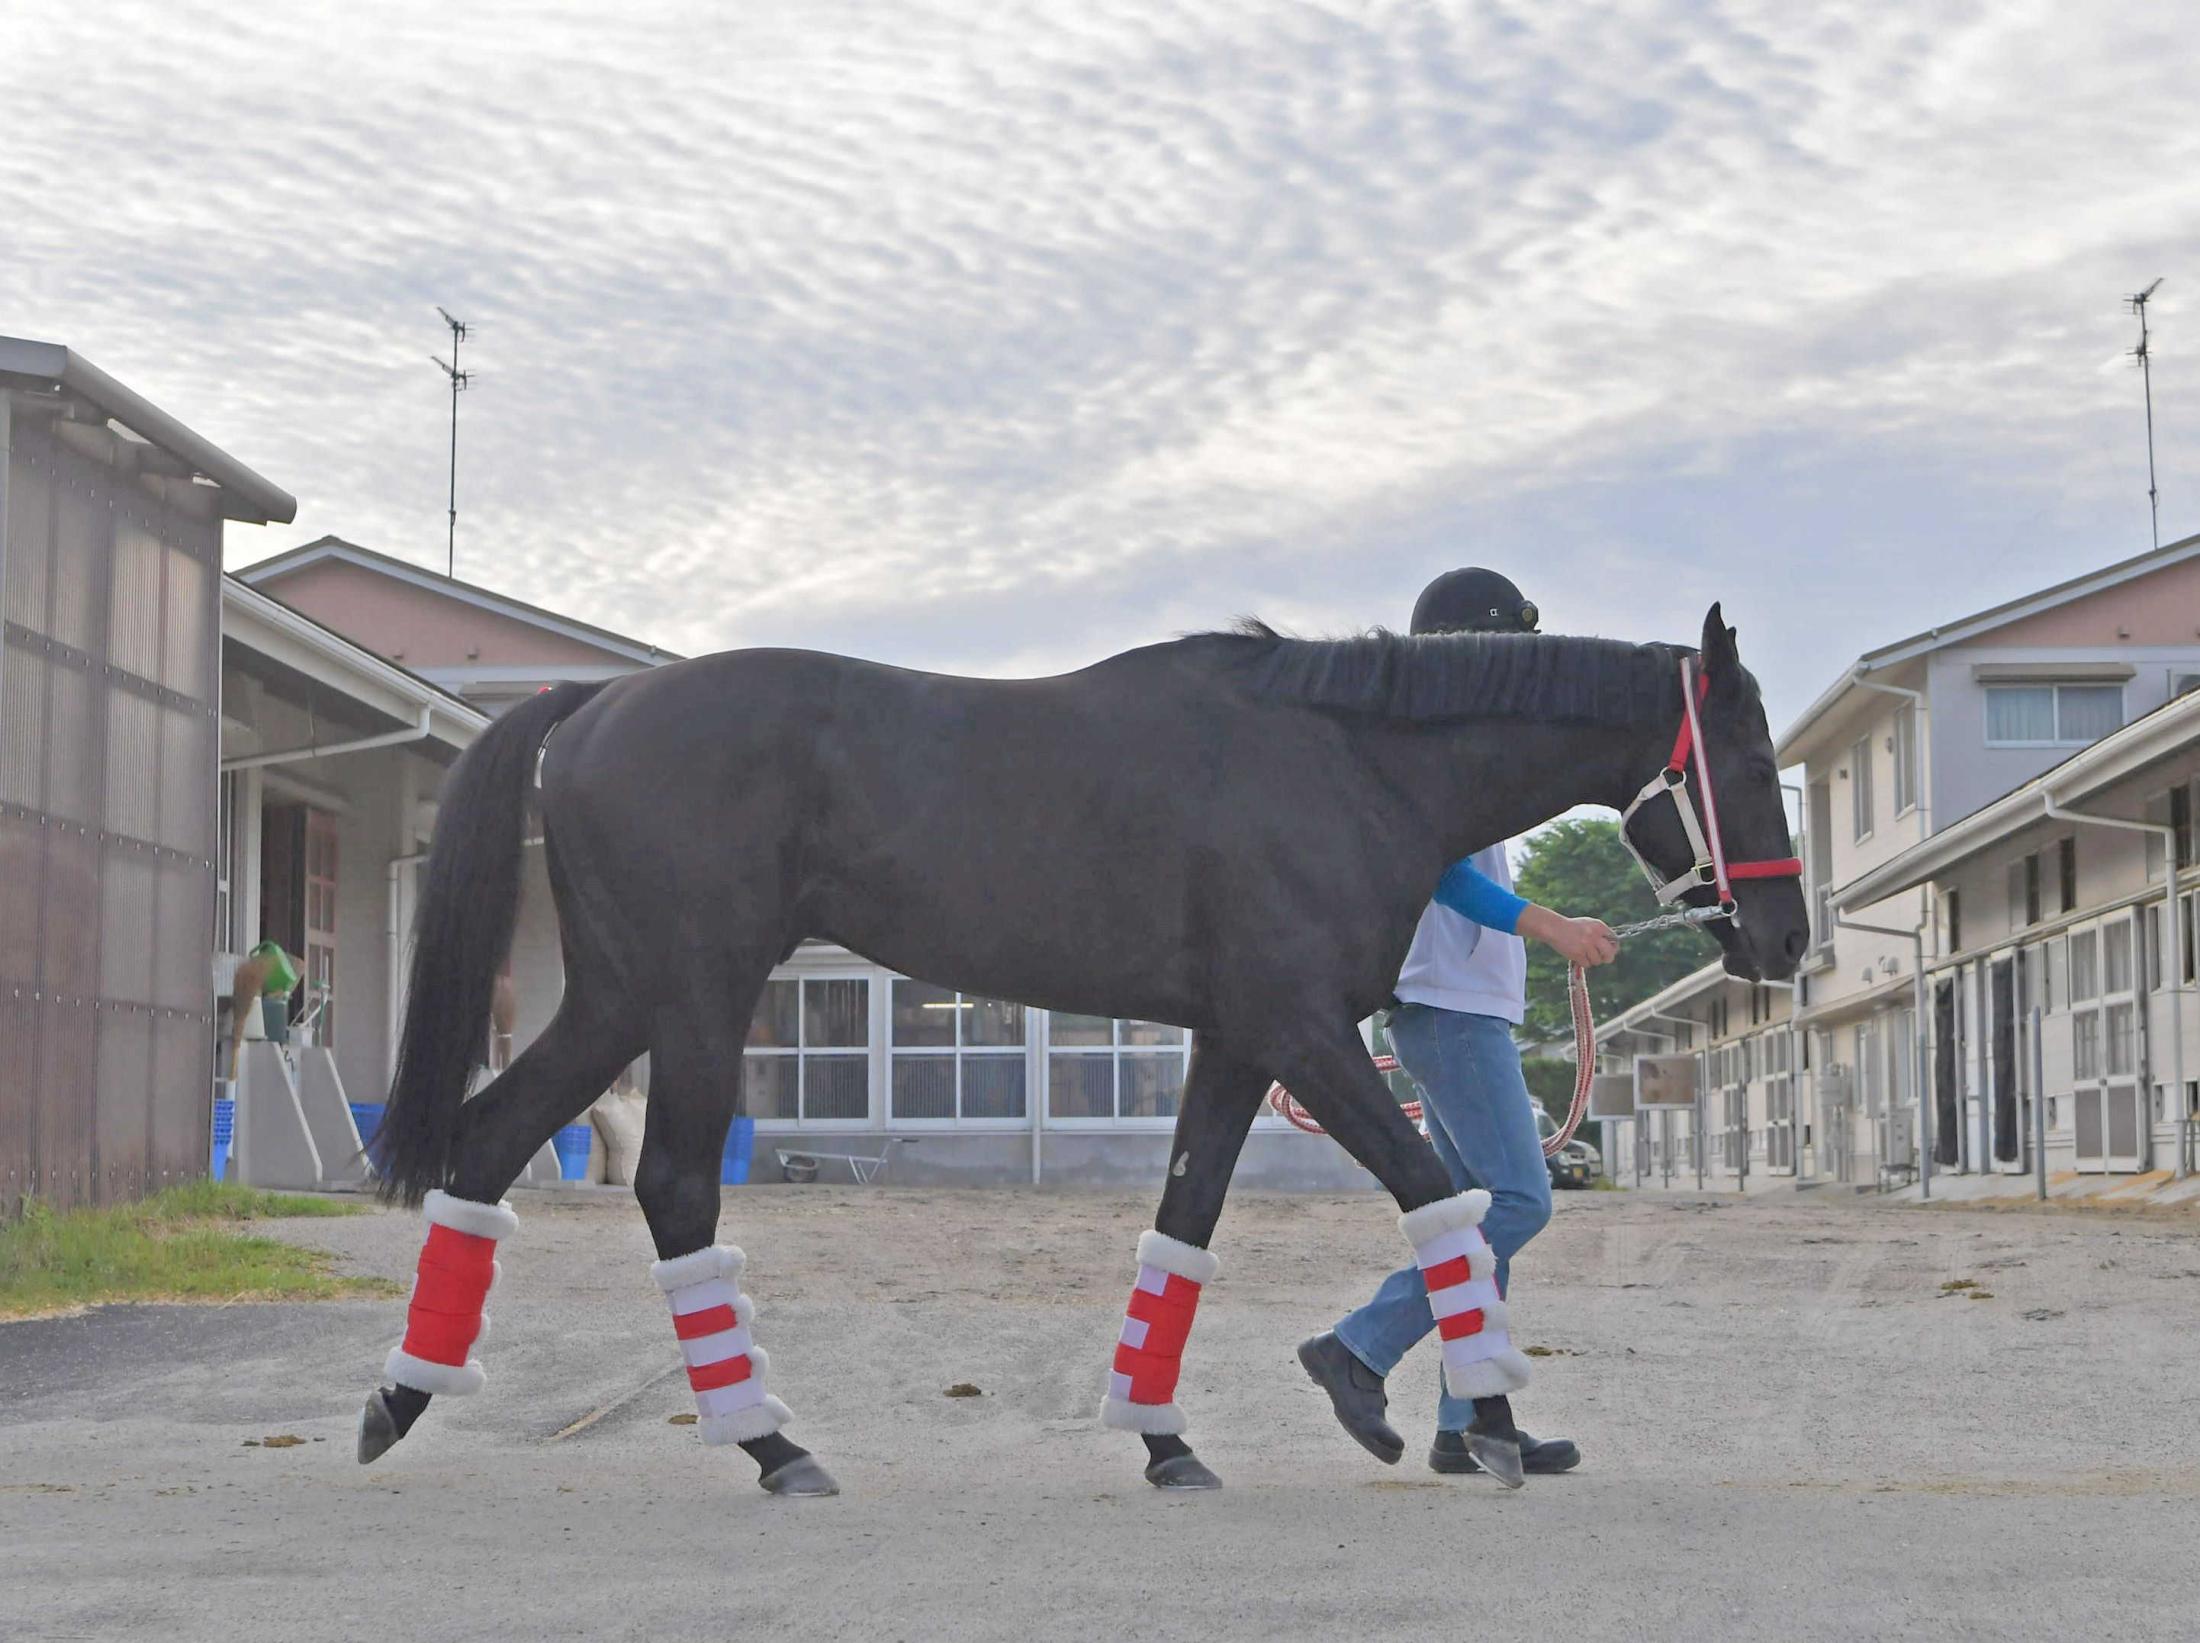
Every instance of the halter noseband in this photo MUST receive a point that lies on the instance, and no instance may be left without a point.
(1711, 869)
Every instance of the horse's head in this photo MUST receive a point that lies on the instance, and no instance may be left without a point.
(1770, 932)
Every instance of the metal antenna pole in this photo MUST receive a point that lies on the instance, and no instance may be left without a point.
(458, 382)
(2137, 303)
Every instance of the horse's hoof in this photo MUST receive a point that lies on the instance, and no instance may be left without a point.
(801, 1478)
(378, 1428)
(1500, 1457)
(1183, 1471)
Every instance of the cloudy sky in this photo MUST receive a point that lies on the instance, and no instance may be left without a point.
(996, 336)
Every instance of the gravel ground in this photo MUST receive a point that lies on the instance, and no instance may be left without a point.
(1788, 1427)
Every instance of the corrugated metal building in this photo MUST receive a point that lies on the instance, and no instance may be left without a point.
(111, 516)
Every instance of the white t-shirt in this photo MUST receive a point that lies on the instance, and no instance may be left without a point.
(1457, 964)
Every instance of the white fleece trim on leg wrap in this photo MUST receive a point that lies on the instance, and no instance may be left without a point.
(1464, 1209)
(444, 1380)
(1446, 1237)
(465, 1215)
(1175, 1255)
(705, 1280)
(1157, 1419)
(712, 1261)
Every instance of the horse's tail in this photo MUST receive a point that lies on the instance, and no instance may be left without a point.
(467, 910)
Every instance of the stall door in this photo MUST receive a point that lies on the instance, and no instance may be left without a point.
(298, 902)
(2002, 1070)
(2104, 1043)
(320, 922)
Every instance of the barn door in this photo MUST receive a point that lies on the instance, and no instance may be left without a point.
(2002, 1047)
(320, 922)
(298, 864)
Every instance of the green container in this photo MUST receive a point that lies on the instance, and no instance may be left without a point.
(282, 978)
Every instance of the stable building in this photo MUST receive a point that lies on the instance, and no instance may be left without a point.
(2065, 1024)
(112, 514)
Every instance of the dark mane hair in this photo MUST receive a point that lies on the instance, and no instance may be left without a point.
(1435, 677)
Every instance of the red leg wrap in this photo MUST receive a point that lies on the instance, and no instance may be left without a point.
(449, 1290)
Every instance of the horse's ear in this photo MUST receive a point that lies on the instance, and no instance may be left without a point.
(1722, 662)
(1718, 644)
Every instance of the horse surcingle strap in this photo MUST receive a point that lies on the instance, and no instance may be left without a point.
(1149, 1354)
(1460, 1271)
(447, 1319)
(712, 1320)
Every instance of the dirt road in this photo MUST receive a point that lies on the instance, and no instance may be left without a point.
(1792, 1425)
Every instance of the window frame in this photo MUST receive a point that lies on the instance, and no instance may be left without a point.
(956, 1052)
(801, 1052)
(1863, 800)
(2054, 689)
(1906, 771)
(1115, 1050)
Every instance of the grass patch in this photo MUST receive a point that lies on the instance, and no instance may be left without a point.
(181, 1244)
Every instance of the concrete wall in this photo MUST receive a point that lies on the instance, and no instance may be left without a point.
(1273, 1160)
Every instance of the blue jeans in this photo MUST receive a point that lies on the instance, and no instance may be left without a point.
(1478, 1108)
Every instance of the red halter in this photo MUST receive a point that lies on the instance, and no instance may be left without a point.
(1711, 868)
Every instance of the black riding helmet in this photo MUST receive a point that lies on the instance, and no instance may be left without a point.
(1473, 600)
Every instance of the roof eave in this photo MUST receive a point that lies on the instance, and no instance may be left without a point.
(245, 495)
(1985, 621)
(634, 650)
(1675, 992)
(450, 721)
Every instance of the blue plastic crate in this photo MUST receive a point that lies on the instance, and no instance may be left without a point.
(225, 1131)
(740, 1145)
(572, 1147)
(368, 1116)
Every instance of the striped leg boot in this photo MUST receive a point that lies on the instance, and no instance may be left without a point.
(1150, 1352)
(445, 1320)
(724, 1366)
(1460, 1270)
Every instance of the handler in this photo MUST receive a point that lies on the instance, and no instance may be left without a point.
(1461, 993)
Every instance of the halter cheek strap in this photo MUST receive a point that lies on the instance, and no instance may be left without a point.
(1711, 869)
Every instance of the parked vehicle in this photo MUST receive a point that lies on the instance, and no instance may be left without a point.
(1576, 1164)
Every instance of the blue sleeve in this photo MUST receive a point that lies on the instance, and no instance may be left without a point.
(1472, 893)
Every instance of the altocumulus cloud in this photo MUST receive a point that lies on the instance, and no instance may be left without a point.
(996, 336)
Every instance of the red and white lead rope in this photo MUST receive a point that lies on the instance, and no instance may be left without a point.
(1585, 1033)
(1286, 1105)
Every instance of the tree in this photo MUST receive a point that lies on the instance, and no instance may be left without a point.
(1580, 868)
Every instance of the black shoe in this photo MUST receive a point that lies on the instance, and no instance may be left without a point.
(1542, 1456)
(1355, 1393)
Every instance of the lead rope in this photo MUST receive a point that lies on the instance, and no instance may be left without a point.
(1286, 1105)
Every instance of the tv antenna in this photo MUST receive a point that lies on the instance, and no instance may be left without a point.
(459, 381)
(2137, 303)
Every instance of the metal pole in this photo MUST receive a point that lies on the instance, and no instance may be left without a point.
(2145, 355)
(450, 541)
(1696, 1118)
(2039, 1112)
(458, 381)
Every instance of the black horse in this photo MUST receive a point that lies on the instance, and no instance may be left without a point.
(1232, 832)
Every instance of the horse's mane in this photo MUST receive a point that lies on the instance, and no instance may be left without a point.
(1435, 677)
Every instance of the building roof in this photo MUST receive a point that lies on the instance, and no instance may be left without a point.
(2167, 731)
(270, 627)
(1659, 1004)
(1980, 622)
(336, 548)
(75, 382)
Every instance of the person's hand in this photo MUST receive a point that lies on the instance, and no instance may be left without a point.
(1587, 942)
